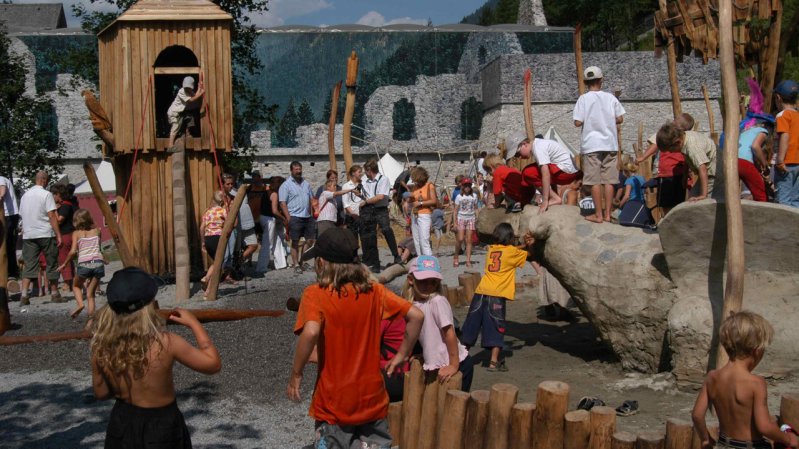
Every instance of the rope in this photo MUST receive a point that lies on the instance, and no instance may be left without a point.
(136, 149)
(213, 139)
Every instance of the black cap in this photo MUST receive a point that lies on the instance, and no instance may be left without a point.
(130, 289)
(337, 245)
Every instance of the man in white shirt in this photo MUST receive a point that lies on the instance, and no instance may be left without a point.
(8, 199)
(598, 113)
(374, 212)
(352, 200)
(40, 234)
(554, 166)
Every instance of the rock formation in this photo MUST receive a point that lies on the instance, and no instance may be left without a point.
(531, 12)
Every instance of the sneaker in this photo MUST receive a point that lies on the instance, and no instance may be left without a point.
(516, 208)
(497, 366)
(298, 269)
(307, 267)
(24, 301)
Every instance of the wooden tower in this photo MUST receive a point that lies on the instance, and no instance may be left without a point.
(144, 56)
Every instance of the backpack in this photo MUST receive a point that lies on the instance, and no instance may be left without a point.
(635, 213)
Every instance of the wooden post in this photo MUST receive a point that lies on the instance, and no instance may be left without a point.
(466, 281)
(578, 57)
(451, 431)
(414, 392)
(395, 422)
(734, 290)
(552, 403)
(116, 234)
(521, 425)
(5, 314)
(671, 62)
(477, 278)
(622, 440)
(429, 418)
(712, 429)
(789, 409)
(452, 295)
(349, 110)
(679, 434)
(233, 212)
(461, 292)
(500, 403)
(711, 118)
(180, 223)
(577, 429)
(406, 381)
(603, 425)
(650, 440)
(454, 383)
(476, 419)
(770, 58)
(619, 150)
(528, 111)
(331, 127)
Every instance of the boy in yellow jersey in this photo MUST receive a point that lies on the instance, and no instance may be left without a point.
(487, 311)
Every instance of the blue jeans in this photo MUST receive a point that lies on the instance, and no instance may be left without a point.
(788, 185)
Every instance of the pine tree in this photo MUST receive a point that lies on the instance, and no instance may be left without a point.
(507, 11)
(305, 114)
(286, 133)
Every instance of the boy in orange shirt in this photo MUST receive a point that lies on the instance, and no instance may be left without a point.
(740, 397)
(786, 173)
(342, 313)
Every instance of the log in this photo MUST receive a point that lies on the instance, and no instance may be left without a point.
(603, 425)
(406, 380)
(500, 403)
(711, 118)
(8, 340)
(623, 440)
(477, 278)
(577, 429)
(427, 423)
(454, 383)
(712, 429)
(331, 127)
(391, 272)
(466, 281)
(552, 403)
(461, 294)
(5, 314)
(349, 110)
(395, 422)
(476, 419)
(180, 222)
(619, 150)
(528, 111)
(451, 431)
(452, 295)
(679, 434)
(578, 57)
(650, 440)
(734, 289)
(521, 425)
(213, 315)
(789, 409)
(414, 392)
(113, 227)
(233, 212)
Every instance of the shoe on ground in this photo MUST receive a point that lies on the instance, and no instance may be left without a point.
(307, 267)
(24, 301)
(298, 269)
(375, 270)
(398, 260)
(496, 367)
(12, 287)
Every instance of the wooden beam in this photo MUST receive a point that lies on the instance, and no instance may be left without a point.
(671, 62)
(233, 212)
(734, 289)
(331, 127)
(578, 57)
(128, 260)
(180, 223)
(176, 70)
(770, 58)
(349, 110)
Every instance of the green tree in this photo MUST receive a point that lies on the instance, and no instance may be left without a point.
(305, 114)
(486, 16)
(507, 11)
(285, 135)
(25, 124)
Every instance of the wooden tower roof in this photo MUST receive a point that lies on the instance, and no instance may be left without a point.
(171, 10)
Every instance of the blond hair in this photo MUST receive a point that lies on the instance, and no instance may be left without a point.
(668, 137)
(419, 176)
(337, 275)
(744, 333)
(218, 198)
(82, 220)
(492, 161)
(630, 167)
(121, 342)
(407, 290)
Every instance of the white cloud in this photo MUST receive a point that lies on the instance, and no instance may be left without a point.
(375, 19)
(280, 10)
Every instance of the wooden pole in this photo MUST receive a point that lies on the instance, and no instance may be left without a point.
(619, 150)
(461, 293)
(500, 403)
(429, 418)
(650, 440)
(233, 212)
(552, 403)
(331, 127)
(603, 425)
(622, 440)
(789, 409)
(116, 234)
(5, 314)
(180, 223)
(451, 432)
(521, 426)
(577, 429)
(528, 111)
(578, 57)
(734, 290)
(466, 281)
(395, 422)
(413, 397)
(406, 381)
(770, 57)
(349, 110)
(476, 419)
(711, 118)
(454, 383)
(679, 434)
(452, 295)
(712, 429)
(671, 62)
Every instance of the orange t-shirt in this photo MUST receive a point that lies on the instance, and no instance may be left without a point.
(423, 194)
(788, 122)
(349, 386)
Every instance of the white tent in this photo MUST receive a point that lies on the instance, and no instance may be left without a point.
(553, 134)
(105, 174)
(390, 168)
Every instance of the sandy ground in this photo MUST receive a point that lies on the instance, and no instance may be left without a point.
(46, 399)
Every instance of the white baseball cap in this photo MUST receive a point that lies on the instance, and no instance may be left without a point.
(188, 82)
(513, 141)
(592, 73)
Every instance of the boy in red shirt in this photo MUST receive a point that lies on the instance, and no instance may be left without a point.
(342, 313)
(507, 181)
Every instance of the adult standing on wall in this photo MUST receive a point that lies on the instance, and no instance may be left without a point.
(40, 234)
(374, 212)
(295, 201)
(8, 198)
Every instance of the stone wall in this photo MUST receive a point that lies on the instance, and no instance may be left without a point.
(531, 12)
(493, 45)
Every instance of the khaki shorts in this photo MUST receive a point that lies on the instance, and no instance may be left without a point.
(600, 168)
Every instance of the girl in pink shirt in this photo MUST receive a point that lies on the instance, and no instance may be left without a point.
(440, 346)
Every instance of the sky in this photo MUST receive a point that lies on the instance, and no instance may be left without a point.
(334, 12)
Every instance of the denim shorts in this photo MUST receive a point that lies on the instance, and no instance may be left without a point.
(487, 317)
(302, 227)
(93, 269)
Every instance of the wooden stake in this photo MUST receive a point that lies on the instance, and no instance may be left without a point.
(679, 434)
(650, 440)
(466, 281)
(578, 57)
(116, 234)
(603, 425)
(406, 381)
(671, 62)
(413, 398)
(349, 110)
(770, 58)
(577, 429)
(500, 403)
(622, 440)
(331, 127)
(476, 419)
(232, 213)
(528, 111)
(461, 293)
(552, 402)
(454, 383)
(789, 409)
(180, 223)
(521, 426)
(427, 423)
(711, 118)
(5, 314)
(451, 431)
(734, 290)
(395, 422)
(619, 150)
(712, 429)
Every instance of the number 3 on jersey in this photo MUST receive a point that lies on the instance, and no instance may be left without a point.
(495, 261)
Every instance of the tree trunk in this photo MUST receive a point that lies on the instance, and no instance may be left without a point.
(331, 127)
(182, 257)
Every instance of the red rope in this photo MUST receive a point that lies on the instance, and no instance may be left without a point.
(213, 140)
(136, 148)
